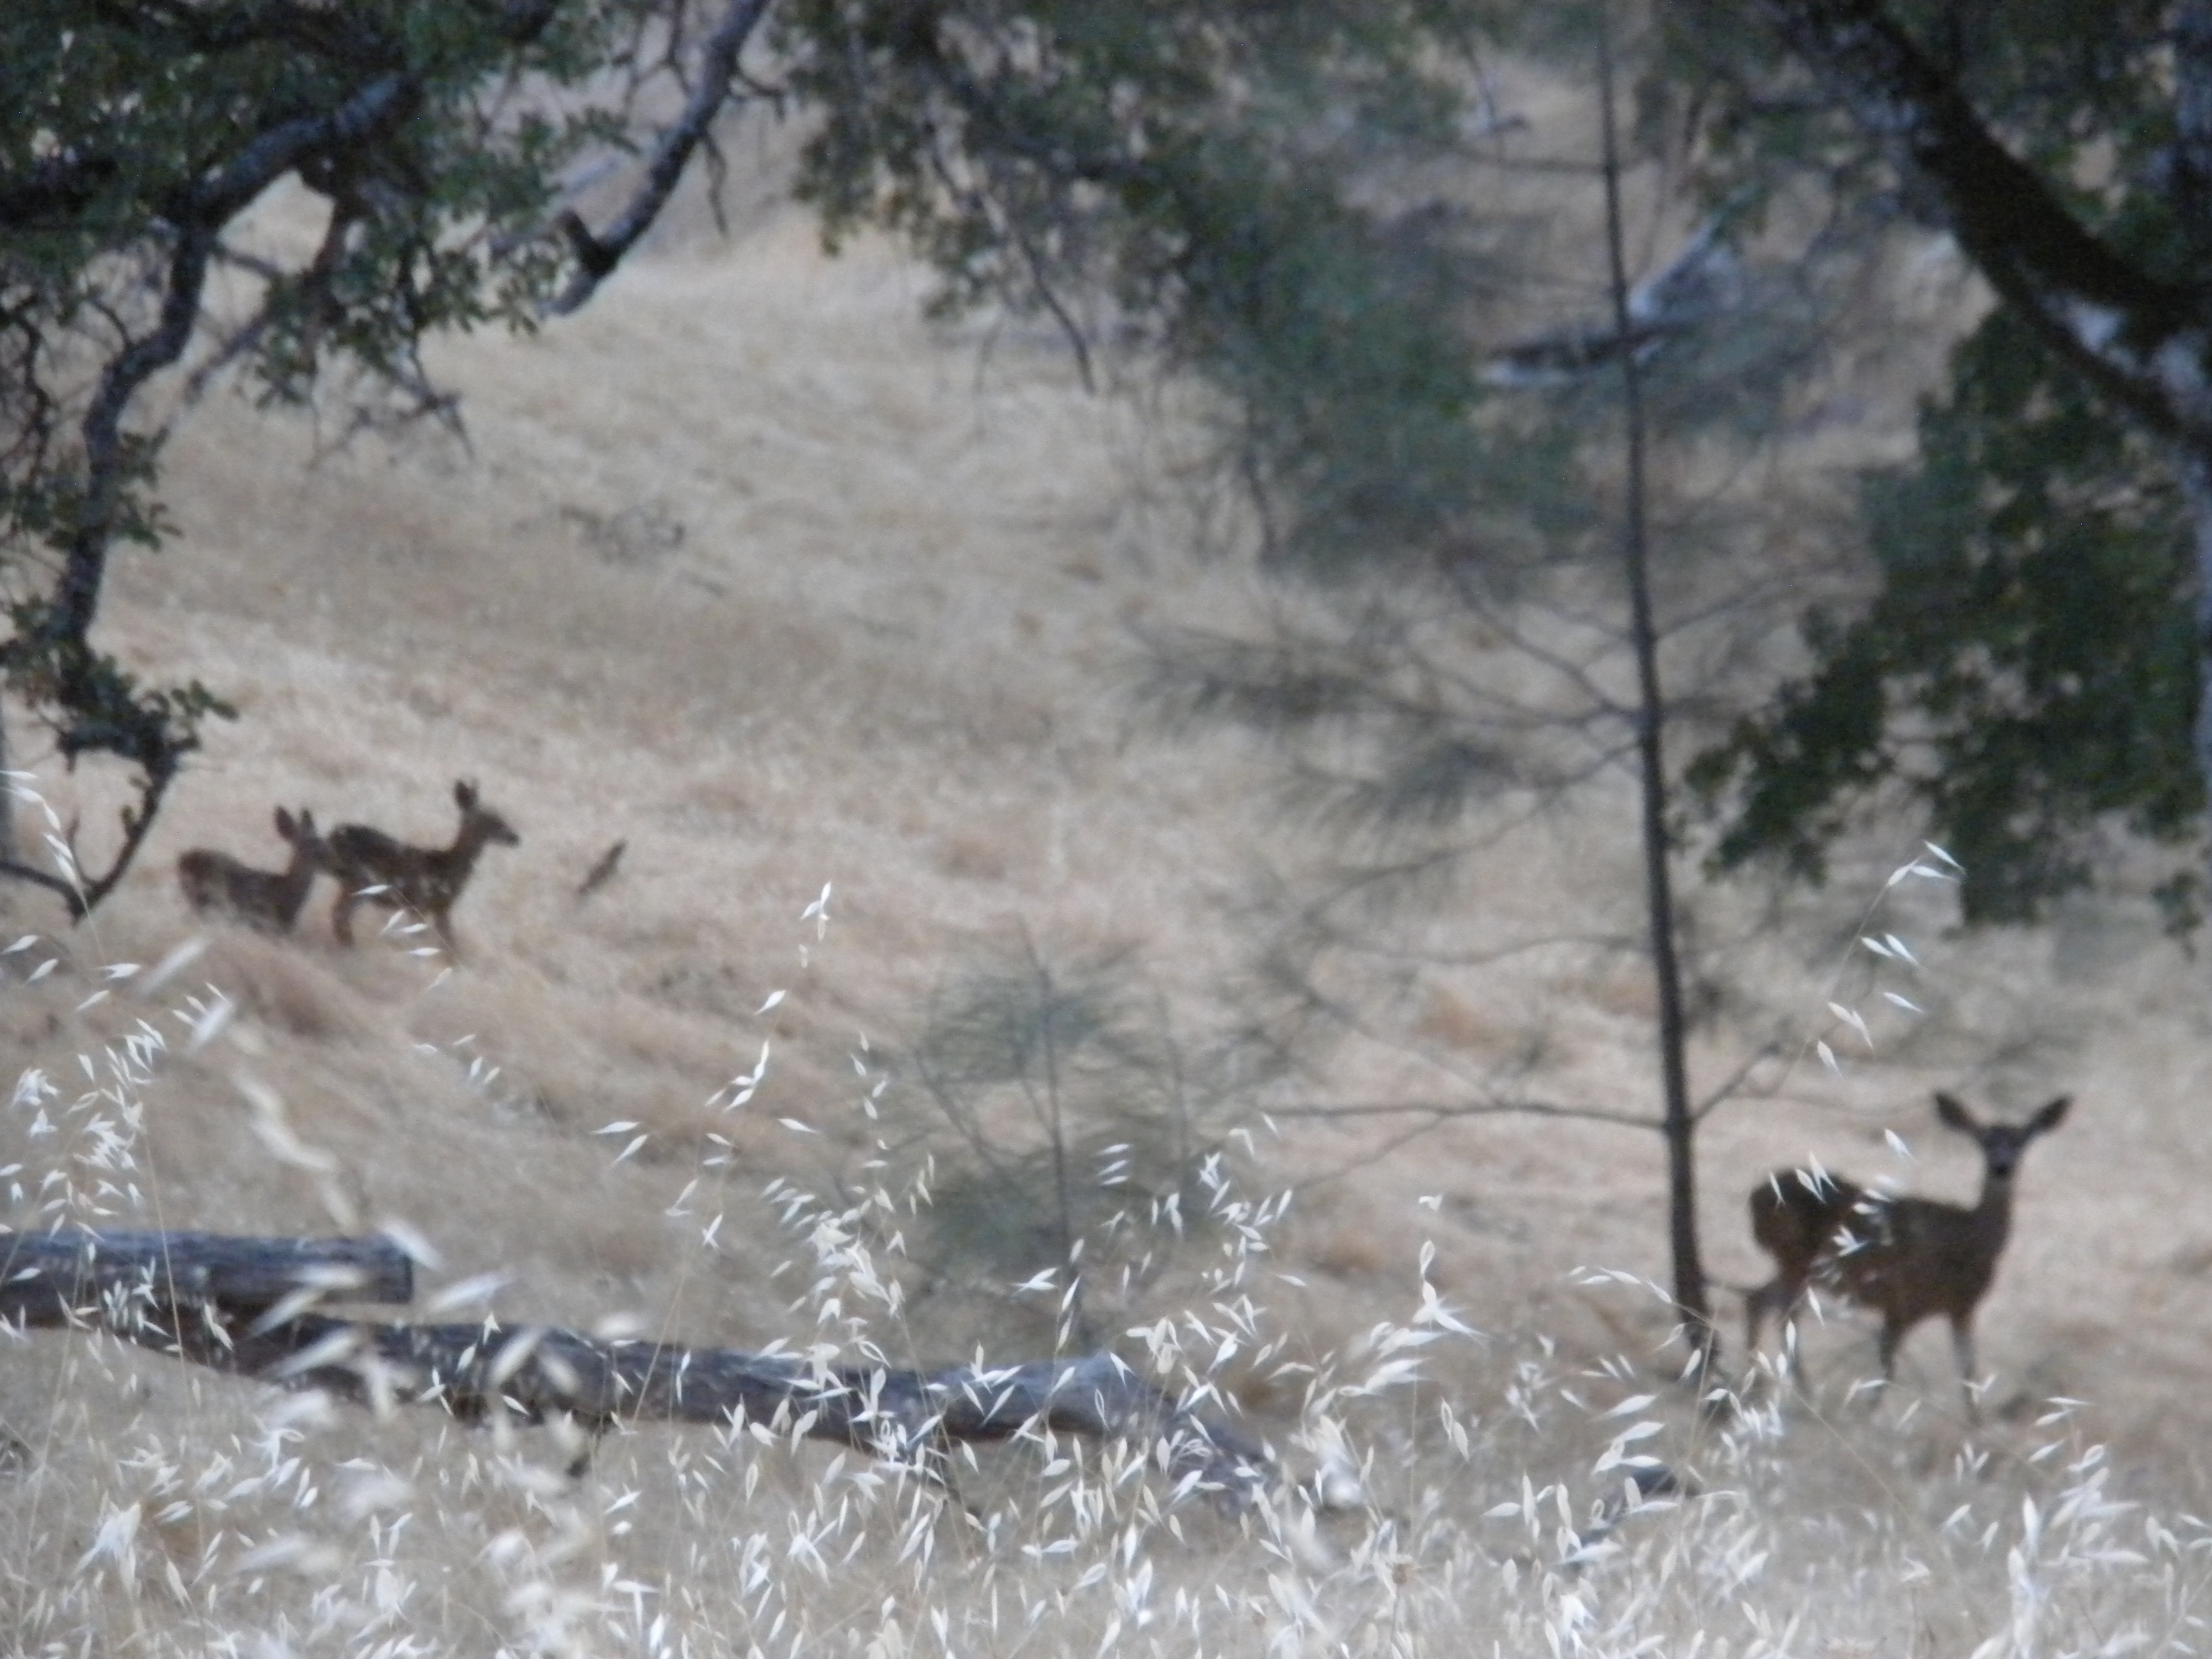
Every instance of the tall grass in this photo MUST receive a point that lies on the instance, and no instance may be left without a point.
(1438, 1490)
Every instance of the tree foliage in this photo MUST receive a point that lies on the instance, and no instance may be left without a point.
(2026, 671)
(134, 140)
(1217, 186)
(1222, 185)
(1071, 1136)
(2029, 666)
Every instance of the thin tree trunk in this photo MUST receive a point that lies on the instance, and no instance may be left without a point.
(1074, 1322)
(2194, 462)
(7, 797)
(1679, 1125)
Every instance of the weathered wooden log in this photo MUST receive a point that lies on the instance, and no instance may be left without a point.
(535, 1373)
(240, 1305)
(49, 1279)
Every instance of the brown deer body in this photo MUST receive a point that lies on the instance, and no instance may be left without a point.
(1907, 1259)
(375, 868)
(216, 883)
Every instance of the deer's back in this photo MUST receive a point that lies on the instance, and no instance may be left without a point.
(1911, 1258)
(214, 882)
(357, 850)
(209, 880)
(1796, 1217)
(1915, 1257)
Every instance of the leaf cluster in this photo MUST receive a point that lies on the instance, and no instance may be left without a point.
(124, 128)
(1384, 717)
(135, 140)
(1210, 182)
(2086, 101)
(2026, 671)
(1068, 1127)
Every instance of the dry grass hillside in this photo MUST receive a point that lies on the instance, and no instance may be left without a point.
(748, 569)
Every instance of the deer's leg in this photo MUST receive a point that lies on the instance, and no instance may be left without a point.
(342, 914)
(1893, 1338)
(1793, 1352)
(1778, 1299)
(1962, 1344)
(1754, 1316)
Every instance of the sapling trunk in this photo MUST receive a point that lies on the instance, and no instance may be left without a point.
(1679, 1124)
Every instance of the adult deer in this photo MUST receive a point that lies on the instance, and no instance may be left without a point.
(1907, 1259)
(216, 883)
(376, 868)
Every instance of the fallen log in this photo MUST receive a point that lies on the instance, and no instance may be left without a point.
(538, 1373)
(45, 1278)
(238, 1305)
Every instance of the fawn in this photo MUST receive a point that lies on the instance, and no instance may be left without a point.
(427, 880)
(269, 899)
(1907, 1258)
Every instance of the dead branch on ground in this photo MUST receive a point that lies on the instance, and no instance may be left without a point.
(240, 1306)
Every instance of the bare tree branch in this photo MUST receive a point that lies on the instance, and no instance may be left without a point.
(1725, 1092)
(2112, 320)
(2142, 340)
(1445, 1110)
(599, 253)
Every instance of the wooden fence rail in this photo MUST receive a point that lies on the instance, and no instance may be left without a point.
(250, 1307)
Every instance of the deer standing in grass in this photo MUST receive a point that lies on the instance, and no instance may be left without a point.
(1907, 1259)
(216, 883)
(373, 867)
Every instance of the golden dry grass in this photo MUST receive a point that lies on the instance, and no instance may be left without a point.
(882, 654)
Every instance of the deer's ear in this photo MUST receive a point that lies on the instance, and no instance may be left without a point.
(1954, 1114)
(464, 793)
(2051, 1116)
(283, 823)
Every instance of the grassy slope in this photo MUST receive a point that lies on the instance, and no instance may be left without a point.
(883, 655)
